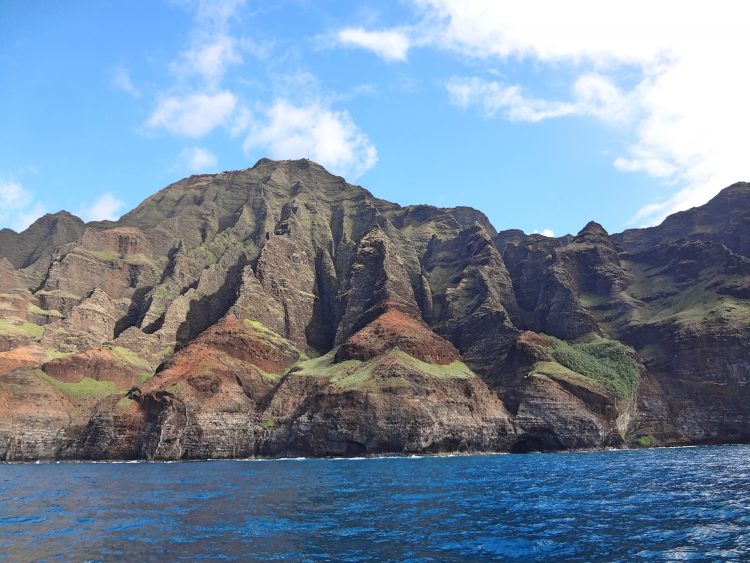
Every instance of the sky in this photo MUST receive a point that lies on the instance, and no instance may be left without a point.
(543, 115)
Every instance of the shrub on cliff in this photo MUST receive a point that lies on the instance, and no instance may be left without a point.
(608, 362)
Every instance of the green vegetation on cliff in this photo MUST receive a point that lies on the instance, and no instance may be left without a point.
(130, 357)
(57, 293)
(270, 335)
(553, 370)
(87, 387)
(703, 299)
(125, 403)
(12, 326)
(355, 374)
(35, 310)
(606, 362)
(646, 441)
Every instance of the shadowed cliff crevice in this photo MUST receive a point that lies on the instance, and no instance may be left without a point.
(208, 309)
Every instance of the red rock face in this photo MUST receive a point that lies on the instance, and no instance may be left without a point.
(534, 344)
(393, 329)
(23, 356)
(99, 363)
(235, 339)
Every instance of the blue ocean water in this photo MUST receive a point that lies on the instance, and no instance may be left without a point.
(660, 504)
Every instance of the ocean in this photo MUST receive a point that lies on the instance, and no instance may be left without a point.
(668, 503)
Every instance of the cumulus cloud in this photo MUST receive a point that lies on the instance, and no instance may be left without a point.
(313, 131)
(297, 124)
(193, 115)
(106, 208)
(685, 97)
(196, 104)
(197, 159)
(121, 81)
(391, 45)
(17, 207)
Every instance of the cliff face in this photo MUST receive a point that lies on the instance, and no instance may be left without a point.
(281, 311)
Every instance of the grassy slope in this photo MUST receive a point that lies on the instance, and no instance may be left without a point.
(12, 326)
(87, 387)
(599, 365)
(657, 299)
(355, 374)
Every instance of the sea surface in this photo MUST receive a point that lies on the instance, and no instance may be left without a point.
(672, 503)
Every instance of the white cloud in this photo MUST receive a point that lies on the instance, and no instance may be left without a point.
(494, 97)
(195, 108)
(549, 30)
(687, 91)
(208, 59)
(14, 196)
(193, 115)
(651, 166)
(544, 232)
(593, 95)
(240, 121)
(197, 159)
(597, 96)
(313, 131)
(121, 80)
(198, 103)
(214, 15)
(391, 45)
(17, 207)
(106, 208)
(213, 49)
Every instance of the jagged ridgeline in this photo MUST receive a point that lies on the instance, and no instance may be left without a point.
(281, 311)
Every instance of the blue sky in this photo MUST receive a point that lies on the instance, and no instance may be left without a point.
(543, 115)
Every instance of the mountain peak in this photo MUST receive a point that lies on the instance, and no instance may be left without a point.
(40, 238)
(62, 214)
(593, 229)
(743, 187)
(296, 164)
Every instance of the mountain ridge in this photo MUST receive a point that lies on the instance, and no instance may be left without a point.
(279, 310)
(737, 187)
